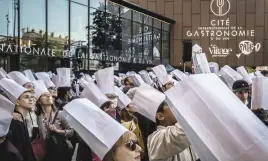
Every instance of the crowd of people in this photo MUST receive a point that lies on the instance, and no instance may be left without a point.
(124, 117)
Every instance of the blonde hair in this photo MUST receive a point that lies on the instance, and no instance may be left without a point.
(110, 156)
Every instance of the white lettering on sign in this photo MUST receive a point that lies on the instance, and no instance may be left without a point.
(215, 51)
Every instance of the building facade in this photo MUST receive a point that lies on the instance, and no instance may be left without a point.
(221, 35)
(83, 34)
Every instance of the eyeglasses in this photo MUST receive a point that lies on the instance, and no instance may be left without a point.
(132, 145)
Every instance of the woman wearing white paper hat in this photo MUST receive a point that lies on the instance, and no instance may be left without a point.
(127, 116)
(24, 101)
(52, 125)
(119, 145)
(8, 152)
(169, 141)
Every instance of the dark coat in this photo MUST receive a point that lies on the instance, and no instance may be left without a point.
(8, 152)
(19, 137)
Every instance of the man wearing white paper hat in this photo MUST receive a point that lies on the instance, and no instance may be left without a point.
(168, 142)
(21, 79)
(8, 152)
(24, 102)
(164, 80)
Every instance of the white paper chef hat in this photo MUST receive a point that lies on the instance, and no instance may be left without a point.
(50, 74)
(243, 72)
(12, 89)
(214, 67)
(208, 118)
(39, 88)
(45, 78)
(82, 82)
(64, 77)
(178, 74)
(131, 92)
(201, 64)
(29, 74)
(123, 99)
(130, 73)
(42, 75)
(87, 78)
(6, 115)
(147, 100)
(94, 94)
(18, 77)
(145, 76)
(94, 126)
(229, 75)
(161, 73)
(3, 73)
(105, 80)
(258, 74)
(252, 75)
(259, 93)
(137, 80)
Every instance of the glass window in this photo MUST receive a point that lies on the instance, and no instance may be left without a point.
(165, 44)
(33, 32)
(58, 26)
(137, 40)
(157, 47)
(157, 23)
(35, 63)
(9, 19)
(147, 43)
(84, 2)
(112, 8)
(79, 32)
(114, 28)
(98, 4)
(147, 20)
(165, 26)
(125, 12)
(137, 17)
(126, 38)
(97, 29)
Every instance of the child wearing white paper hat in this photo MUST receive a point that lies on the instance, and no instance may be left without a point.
(8, 152)
(24, 102)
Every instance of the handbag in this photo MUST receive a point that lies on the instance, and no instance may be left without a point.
(38, 146)
(56, 143)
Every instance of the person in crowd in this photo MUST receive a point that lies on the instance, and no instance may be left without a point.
(52, 125)
(128, 84)
(24, 102)
(8, 152)
(169, 141)
(125, 149)
(261, 114)
(54, 93)
(127, 115)
(64, 96)
(241, 90)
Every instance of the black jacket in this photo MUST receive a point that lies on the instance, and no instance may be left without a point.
(8, 152)
(19, 137)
